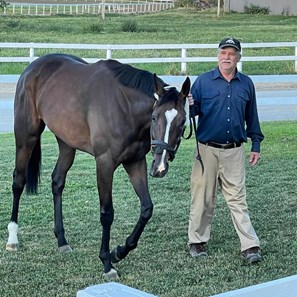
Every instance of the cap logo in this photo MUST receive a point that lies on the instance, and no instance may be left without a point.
(230, 41)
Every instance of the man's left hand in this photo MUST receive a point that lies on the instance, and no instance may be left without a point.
(254, 158)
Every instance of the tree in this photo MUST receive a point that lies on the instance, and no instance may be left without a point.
(3, 4)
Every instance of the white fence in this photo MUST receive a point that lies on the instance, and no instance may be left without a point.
(90, 8)
(182, 58)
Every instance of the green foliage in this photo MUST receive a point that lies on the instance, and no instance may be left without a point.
(185, 3)
(130, 26)
(13, 24)
(255, 9)
(3, 4)
(178, 26)
(161, 264)
(93, 28)
(199, 4)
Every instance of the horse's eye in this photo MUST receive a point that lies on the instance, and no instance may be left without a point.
(153, 117)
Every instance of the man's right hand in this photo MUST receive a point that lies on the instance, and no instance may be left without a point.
(190, 99)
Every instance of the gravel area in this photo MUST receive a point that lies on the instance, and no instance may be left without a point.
(7, 88)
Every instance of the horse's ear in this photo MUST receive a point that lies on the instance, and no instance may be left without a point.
(186, 88)
(158, 87)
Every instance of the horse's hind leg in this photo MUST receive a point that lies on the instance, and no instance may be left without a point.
(137, 172)
(19, 180)
(27, 165)
(65, 161)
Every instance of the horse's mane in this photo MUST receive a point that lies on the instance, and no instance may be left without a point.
(132, 77)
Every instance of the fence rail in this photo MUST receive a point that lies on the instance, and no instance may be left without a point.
(183, 59)
(89, 8)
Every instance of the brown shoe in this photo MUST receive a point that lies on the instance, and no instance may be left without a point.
(252, 255)
(198, 250)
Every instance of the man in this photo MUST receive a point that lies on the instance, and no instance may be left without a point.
(225, 101)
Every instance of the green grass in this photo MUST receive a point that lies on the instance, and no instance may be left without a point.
(161, 263)
(171, 26)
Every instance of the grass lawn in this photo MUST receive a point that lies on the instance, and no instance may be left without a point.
(161, 264)
(182, 25)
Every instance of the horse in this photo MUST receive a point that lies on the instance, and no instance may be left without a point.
(112, 111)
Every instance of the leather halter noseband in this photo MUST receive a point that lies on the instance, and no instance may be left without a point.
(158, 146)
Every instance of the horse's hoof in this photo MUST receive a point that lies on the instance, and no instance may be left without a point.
(111, 275)
(65, 248)
(12, 247)
(114, 257)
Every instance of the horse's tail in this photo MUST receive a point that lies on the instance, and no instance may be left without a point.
(33, 169)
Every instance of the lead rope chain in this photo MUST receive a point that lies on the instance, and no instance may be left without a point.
(193, 123)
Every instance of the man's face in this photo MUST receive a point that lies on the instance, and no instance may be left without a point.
(228, 57)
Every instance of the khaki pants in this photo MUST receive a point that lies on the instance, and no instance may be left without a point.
(224, 168)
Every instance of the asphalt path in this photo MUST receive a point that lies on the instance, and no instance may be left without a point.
(276, 97)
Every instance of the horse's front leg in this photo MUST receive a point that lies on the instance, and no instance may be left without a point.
(105, 171)
(137, 172)
(65, 161)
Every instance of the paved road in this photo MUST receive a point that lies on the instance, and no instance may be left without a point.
(276, 97)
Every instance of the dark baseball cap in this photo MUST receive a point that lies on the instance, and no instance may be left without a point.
(230, 42)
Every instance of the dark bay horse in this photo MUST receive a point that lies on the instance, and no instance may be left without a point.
(112, 111)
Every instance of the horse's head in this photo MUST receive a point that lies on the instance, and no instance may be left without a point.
(167, 126)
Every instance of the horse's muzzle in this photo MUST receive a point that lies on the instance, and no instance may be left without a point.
(158, 169)
(160, 164)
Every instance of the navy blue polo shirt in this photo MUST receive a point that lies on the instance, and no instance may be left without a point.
(227, 110)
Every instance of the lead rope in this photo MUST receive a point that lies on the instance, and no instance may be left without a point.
(193, 122)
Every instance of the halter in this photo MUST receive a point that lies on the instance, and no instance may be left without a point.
(158, 146)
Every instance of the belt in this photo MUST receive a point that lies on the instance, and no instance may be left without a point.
(224, 146)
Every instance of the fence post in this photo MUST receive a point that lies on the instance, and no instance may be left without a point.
(296, 60)
(239, 64)
(184, 64)
(103, 10)
(31, 53)
(108, 53)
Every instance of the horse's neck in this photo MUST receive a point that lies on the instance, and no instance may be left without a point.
(142, 110)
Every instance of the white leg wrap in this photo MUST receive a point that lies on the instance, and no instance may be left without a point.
(12, 233)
